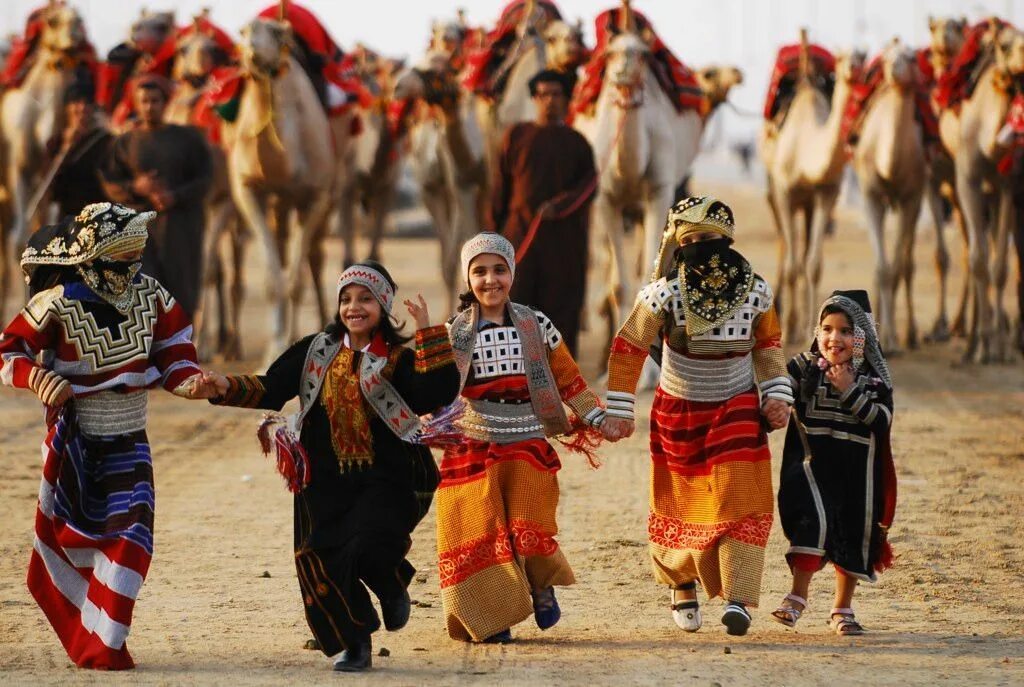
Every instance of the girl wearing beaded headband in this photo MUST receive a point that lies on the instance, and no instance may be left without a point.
(496, 505)
(353, 455)
(722, 381)
(837, 488)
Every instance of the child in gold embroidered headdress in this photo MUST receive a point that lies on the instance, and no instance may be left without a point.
(497, 554)
(362, 484)
(722, 372)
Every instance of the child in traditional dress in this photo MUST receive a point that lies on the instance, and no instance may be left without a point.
(497, 555)
(723, 379)
(837, 491)
(362, 484)
(94, 337)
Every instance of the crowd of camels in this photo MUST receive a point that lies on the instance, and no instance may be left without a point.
(287, 162)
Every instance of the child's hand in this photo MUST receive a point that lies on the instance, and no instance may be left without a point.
(615, 428)
(419, 312)
(208, 385)
(840, 376)
(776, 412)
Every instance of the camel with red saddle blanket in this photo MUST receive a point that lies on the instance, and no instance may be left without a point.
(204, 52)
(31, 113)
(804, 153)
(890, 161)
(644, 141)
(975, 96)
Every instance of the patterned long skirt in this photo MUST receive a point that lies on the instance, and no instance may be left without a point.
(93, 539)
(711, 494)
(496, 534)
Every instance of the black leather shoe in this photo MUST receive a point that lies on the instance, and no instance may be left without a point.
(356, 658)
(395, 612)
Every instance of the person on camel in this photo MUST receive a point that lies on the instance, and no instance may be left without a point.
(149, 50)
(23, 48)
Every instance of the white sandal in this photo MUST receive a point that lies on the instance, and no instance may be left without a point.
(788, 615)
(844, 623)
(686, 613)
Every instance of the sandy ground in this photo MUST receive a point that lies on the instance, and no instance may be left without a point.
(949, 613)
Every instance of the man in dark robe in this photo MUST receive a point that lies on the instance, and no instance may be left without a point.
(85, 146)
(164, 167)
(546, 175)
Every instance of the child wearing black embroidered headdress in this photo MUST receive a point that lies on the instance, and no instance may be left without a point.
(837, 492)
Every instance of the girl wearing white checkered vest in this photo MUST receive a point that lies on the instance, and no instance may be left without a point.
(497, 555)
(837, 489)
(723, 384)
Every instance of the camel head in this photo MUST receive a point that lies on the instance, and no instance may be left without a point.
(197, 54)
(446, 36)
(849, 66)
(717, 80)
(63, 29)
(947, 36)
(627, 61)
(565, 49)
(899, 65)
(534, 20)
(1010, 52)
(150, 30)
(265, 46)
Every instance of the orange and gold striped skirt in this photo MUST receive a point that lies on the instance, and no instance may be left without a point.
(496, 534)
(711, 494)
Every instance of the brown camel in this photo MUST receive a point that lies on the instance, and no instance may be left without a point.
(805, 160)
(890, 163)
(972, 137)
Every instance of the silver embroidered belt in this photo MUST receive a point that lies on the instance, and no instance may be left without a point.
(703, 379)
(500, 423)
(109, 413)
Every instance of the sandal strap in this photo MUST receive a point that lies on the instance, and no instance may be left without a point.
(736, 608)
(686, 605)
(842, 611)
(799, 599)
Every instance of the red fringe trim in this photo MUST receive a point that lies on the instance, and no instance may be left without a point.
(583, 439)
(886, 557)
(292, 459)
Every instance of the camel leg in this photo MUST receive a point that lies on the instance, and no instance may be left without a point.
(238, 241)
(210, 282)
(608, 220)
(379, 206)
(940, 328)
(251, 208)
(1018, 240)
(347, 222)
(908, 214)
(1000, 269)
(310, 222)
(780, 242)
(959, 325)
(824, 203)
(316, 271)
(438, 207)
(654, 225)
(979, 337)
(787, 286)
(17, 187)
(874, 208)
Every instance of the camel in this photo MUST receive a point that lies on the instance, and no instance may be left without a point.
(947, 37)
(643, 148)
(225, 239)
(986, 195)
(804, 159)
(368, 165)
(31, 115)
(447, 157)
(147, 38)
(890, 163)
(279, 150)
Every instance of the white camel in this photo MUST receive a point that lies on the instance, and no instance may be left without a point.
(30, 116)
(280, 150)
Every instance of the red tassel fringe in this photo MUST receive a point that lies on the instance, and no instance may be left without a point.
(583, 439)
(886, 557)
(292, 459)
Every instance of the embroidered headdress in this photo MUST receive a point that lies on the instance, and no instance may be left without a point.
(857, 307)
(488, 242)
(377, 283)
(85, 244)
(700, 214)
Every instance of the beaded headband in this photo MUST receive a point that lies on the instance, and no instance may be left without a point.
(488, 242)
(376, 282)
(701, 213)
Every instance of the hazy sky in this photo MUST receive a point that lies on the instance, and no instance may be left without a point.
(742, 32)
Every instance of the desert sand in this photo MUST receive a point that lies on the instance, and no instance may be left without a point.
(221, 603)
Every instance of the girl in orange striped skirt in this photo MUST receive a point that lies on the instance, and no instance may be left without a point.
(497, 554)
(722, 372)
